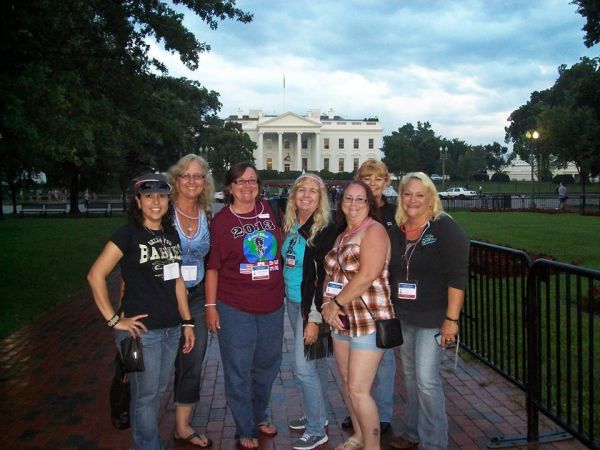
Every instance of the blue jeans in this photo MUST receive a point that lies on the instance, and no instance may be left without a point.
(383, 391)
(425, 412)
(159, 350)
(311, 376)
(250, 346)
(188, 367)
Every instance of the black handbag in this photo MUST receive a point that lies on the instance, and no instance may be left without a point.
(323, 346)
(120, 396)
(131, 351)
(389, 333)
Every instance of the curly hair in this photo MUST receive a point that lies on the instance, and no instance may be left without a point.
(437, 208)
(322, 214)
(135, 214)
(340, 217)
(205, 198)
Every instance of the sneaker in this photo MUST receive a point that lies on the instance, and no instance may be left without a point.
(308, 442)
(300, 423)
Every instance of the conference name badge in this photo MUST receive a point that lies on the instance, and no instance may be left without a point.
(290, 260)
(260, 272)
(333, 289)
(170, 271)
(189, 273)
(407, 291)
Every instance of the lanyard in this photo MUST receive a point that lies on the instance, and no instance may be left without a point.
(407, 257)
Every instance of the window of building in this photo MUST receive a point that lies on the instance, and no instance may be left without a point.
(286, 143)
(371, 143)
(326, 143)
(286, 167)
(304, 163)
(269, 163)
(341, 164)
(269, 143)
(304, 143)
(355, 164)
(355, 142)
(326, 164)
(341, 143)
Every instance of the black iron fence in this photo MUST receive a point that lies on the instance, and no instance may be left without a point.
(589, 203)
(538, 324)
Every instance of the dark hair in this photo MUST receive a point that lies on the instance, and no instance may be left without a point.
(340, 217)
(135, 214)
(236, 171)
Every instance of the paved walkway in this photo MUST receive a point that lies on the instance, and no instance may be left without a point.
(55, 376)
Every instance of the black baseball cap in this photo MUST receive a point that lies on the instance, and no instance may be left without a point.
(152, 183)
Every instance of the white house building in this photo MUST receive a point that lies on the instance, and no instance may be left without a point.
(311, 142)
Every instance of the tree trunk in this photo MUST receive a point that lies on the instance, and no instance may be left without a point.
(13, 196)
(74, 193)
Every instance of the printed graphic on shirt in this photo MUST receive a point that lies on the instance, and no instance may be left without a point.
(260, 246)
(249, 228)
(159, 252)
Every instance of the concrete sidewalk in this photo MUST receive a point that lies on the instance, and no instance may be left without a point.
(55, 376)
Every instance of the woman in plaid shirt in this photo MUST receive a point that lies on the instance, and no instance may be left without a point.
(357, 278)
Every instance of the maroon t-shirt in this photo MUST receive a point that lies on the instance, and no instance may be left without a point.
(245, 251)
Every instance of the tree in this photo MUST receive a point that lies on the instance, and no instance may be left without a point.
(411, 149)
(226, 145)
(590, 10)
(94, 60)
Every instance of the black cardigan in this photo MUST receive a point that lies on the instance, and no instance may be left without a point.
(313, 271)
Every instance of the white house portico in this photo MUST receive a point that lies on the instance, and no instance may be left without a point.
(311, 142)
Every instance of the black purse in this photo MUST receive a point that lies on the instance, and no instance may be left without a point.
(323, 346)
(388, 331)
(120, 396)
(131, 351)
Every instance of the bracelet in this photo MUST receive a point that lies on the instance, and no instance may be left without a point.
(210, 304)
(188, 322)
(113, 320)
(188, 325)
(335, 300)
(452, 320)
(324, 304)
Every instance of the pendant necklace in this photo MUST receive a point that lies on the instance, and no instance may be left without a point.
(190, 227)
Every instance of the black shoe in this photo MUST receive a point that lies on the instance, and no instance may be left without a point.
(347, 423)
(384, 427)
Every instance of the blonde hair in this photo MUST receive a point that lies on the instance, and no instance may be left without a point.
(322, 214)
(436, 210)
(205, 198)
(374, 167)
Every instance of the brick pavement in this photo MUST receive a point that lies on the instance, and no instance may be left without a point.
(55, 375)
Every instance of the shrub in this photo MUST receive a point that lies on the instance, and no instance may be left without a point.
(500, 177)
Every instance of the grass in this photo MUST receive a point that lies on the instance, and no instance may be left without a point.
(568, 238)
(44, 262)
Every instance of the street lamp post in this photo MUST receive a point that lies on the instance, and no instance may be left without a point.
(533, 134)
(443, 155)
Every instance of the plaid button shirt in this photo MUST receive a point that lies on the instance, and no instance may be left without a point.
(377, 296)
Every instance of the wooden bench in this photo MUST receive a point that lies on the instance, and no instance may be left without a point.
(98, 208)
(44, 209)
(55, 208)
(32, 208)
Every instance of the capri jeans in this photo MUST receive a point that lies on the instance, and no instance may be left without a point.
(188, 367)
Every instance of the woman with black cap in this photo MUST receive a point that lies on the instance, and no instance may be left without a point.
(154, 303)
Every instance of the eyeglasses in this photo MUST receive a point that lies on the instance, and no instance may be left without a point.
(251, 181)
(192, 176)
(358, 200)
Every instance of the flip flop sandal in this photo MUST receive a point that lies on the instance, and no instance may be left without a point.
(267, 429)
(351, 443)
(241, 446)
(195, 434)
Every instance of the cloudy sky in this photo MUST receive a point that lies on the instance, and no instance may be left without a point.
(462, 65)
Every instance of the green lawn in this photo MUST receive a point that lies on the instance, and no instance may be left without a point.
(45, 261)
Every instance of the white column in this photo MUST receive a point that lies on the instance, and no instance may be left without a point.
(298, 150)
(280, 151)
(317, 151)
(260, 163)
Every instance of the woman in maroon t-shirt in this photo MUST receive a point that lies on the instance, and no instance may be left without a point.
(244, 301)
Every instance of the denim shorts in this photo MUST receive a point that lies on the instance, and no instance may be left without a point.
(366, 342)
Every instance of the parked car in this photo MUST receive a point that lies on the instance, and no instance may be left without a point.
(219, 197)
(457, 192)
(435, 177)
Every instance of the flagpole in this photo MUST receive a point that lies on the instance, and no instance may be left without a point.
(284, 107)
